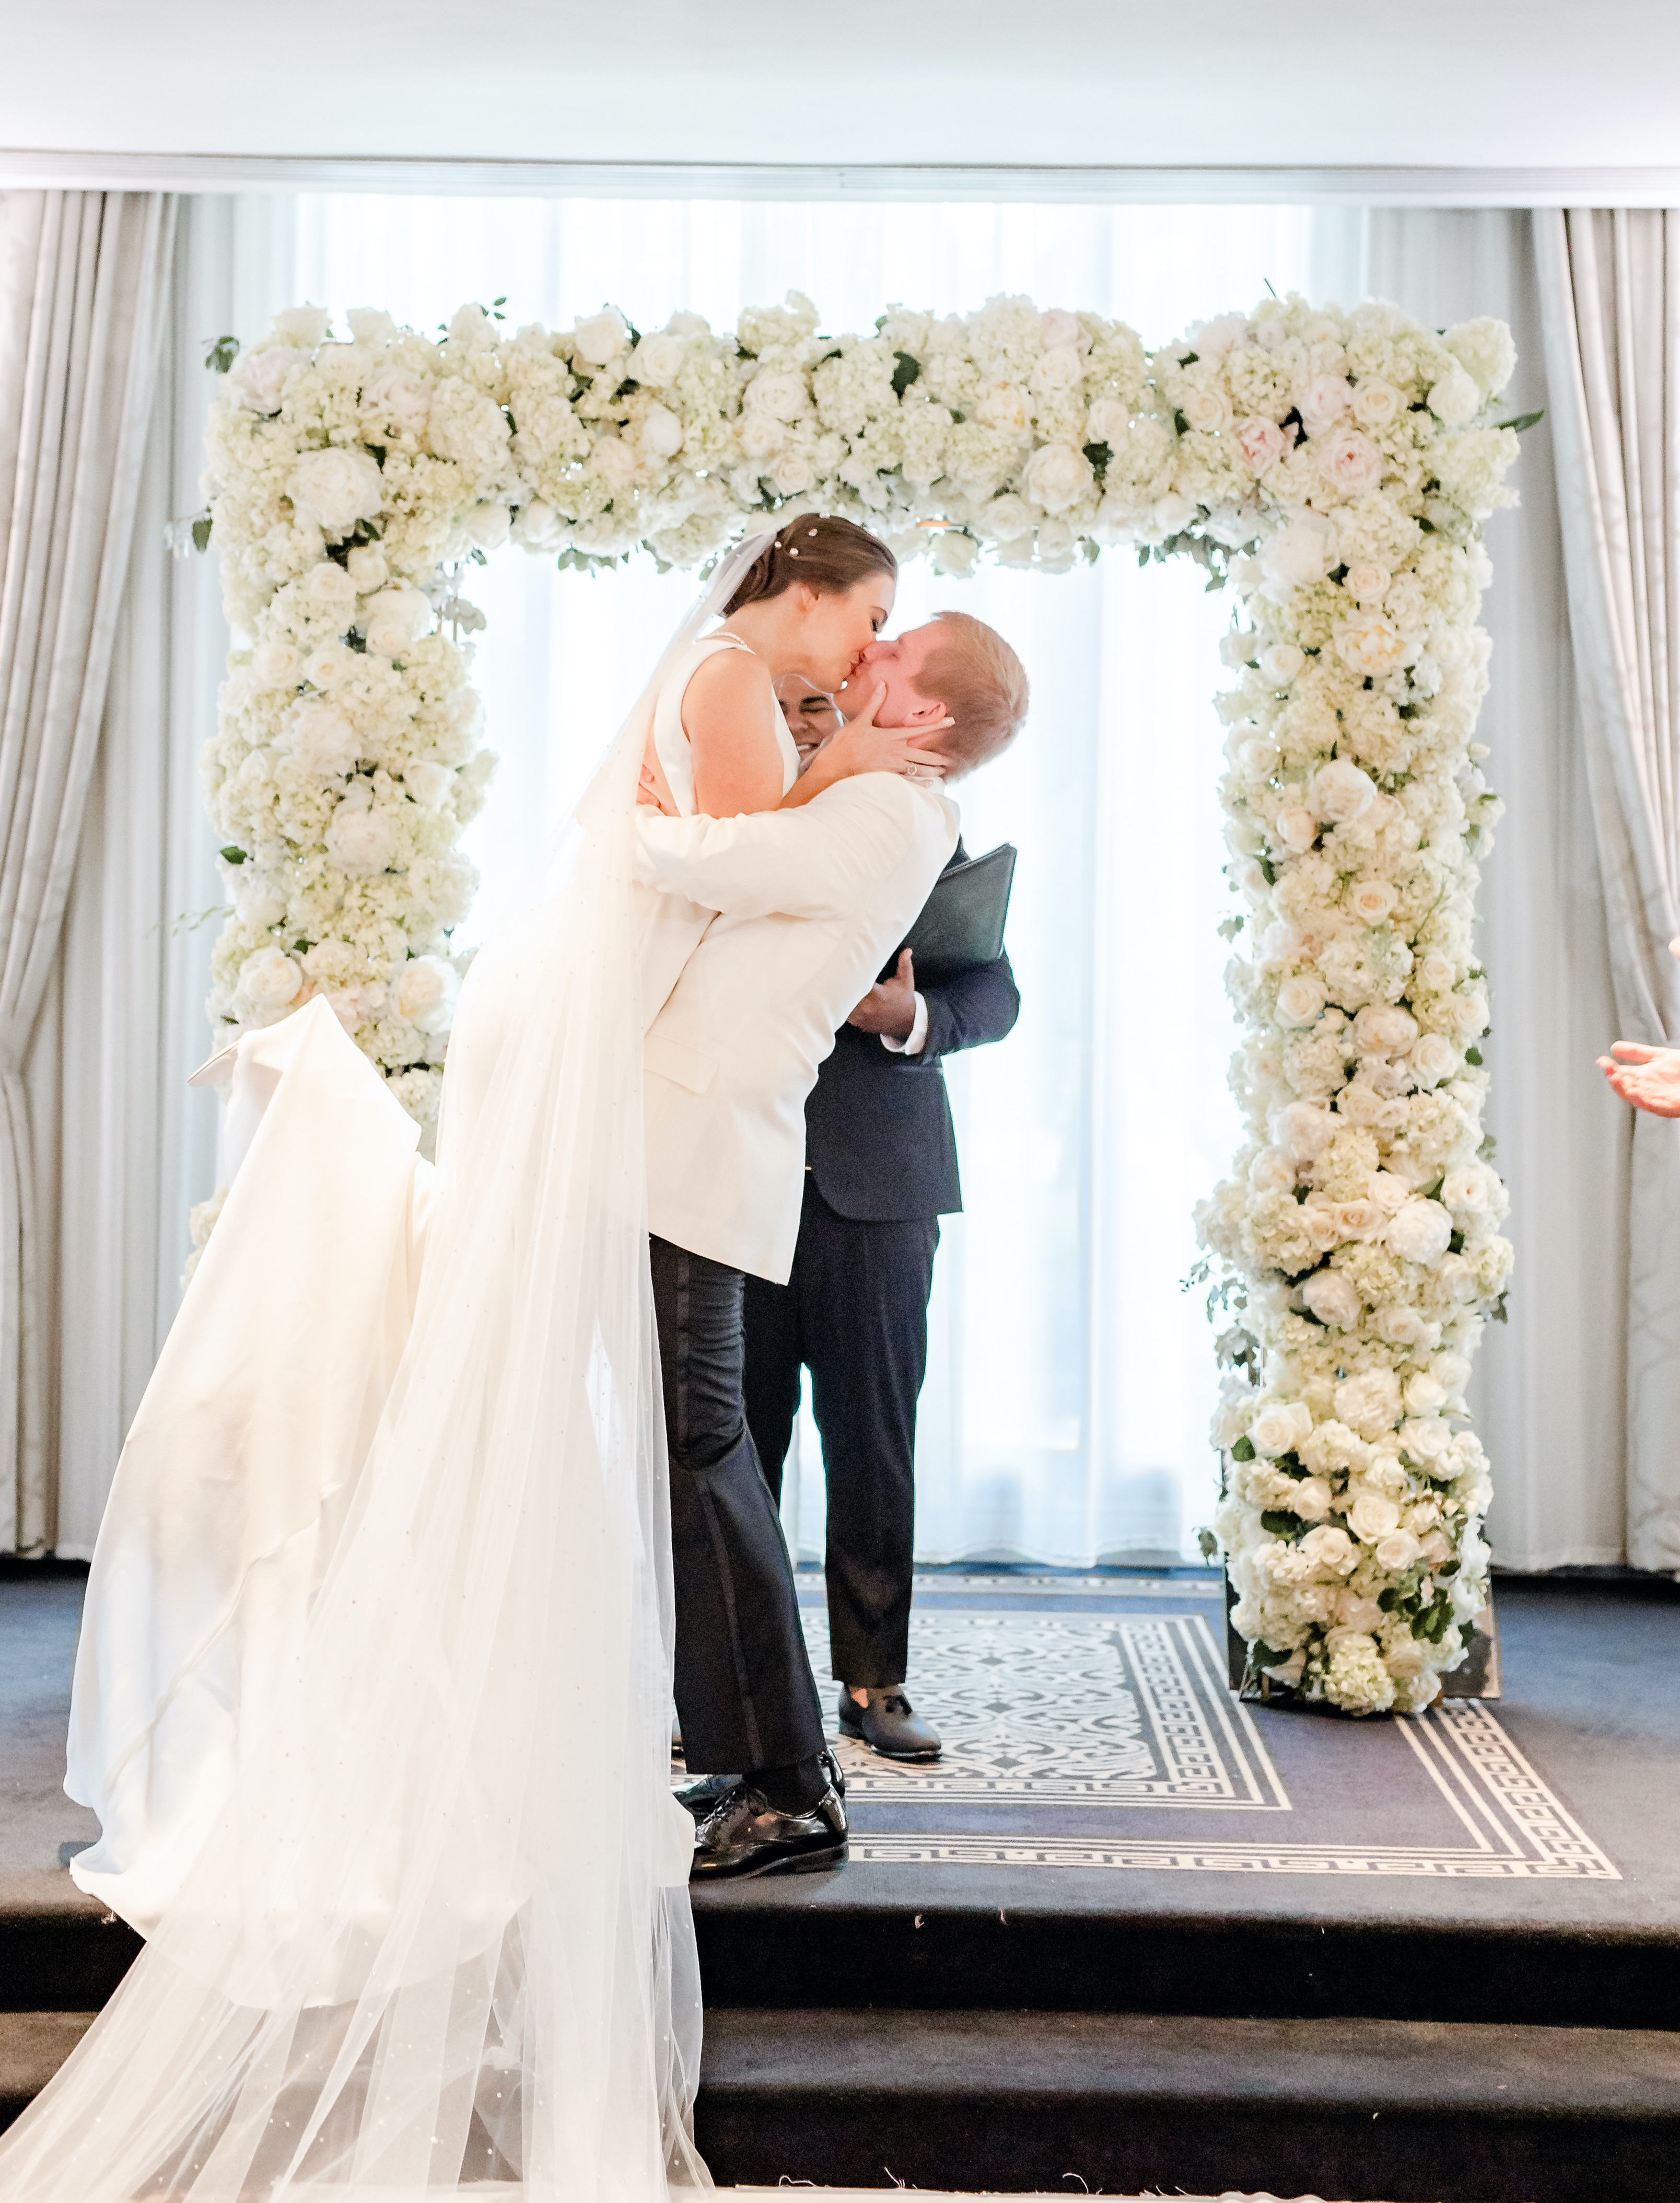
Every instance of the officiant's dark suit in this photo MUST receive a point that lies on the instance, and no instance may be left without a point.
(880, 1169)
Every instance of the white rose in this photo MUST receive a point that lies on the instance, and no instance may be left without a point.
(657, 360)
(324, 738)
(793, 475)
(1006, 519)
(1367, 583)
(661, 432)
(1451, 1372)
(1433, 1058)
(1390, 1191)
(1425, 1437)
(258, 904)
(1369, 642)
(1057, 370)
(428, 782)
(426, 992)
(1371, 900)
(1301, 552)
(539, 526)
(1058, 476)
(777, 392)
(1300, 1000)
(1384, 1029)
(1340, 792)
(1399, 1324)
(1056, 544)
(331, 663)
(1436, 1548)
(1466, 1189)
(1376, 404)
(1059, 327)
(601, 337)
(329, 592)
(1172, 513)
(1457, 1278)
(1297, 829)
(1373, 1516)
(1398, 1551)
(269, 980)
(1004, 406)
(488, 525)
(303, 325)
(1455, 398)
(1280, 662)
(257, 379)
(1351, 461)
(954, 552)
(1258, 757)
(1334, 1298)
(1361, 1220)
(1310, 1499)
(394, 618)
(276, 664)
(1206, 411)
(1424, 1394)
(1280, 1426)
(1272, 1170)
(1328, 1550)
(761, 437)
(335, 489)
(1303, 1130)
(1421, 1233)
(1325, 401)
(365, 565)
(1106, 422)
(1469, 1012)
(402, 399)
(358, 837)
(368, 324)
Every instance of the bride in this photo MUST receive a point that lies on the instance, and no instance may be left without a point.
(384, 1596)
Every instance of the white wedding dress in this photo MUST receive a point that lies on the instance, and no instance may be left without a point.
(373, 1695)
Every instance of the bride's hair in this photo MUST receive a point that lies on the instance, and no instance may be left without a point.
(830, 556)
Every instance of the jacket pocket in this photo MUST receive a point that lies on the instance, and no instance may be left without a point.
(681, 1065)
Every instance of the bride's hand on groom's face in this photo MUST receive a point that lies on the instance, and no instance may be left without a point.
(862, 747)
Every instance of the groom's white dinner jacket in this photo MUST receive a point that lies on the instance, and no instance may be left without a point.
(811, 904)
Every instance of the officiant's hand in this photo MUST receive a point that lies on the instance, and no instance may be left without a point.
(1650, 1077)
(889, 1007)
(862, 747)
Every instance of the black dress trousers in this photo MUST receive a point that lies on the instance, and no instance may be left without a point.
(854, 1312)
(746, 1698)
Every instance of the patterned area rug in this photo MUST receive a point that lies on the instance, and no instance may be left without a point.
(1087, 1722)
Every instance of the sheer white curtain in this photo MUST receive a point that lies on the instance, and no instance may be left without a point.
(1066, 1407)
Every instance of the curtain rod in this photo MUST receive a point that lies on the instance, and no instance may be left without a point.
(1180, 187)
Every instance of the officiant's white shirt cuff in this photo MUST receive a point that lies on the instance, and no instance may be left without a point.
(916, 1039)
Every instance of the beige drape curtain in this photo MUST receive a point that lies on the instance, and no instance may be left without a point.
(82, 282)
(1610, 297)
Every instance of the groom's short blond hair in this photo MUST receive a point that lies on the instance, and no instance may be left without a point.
(981, 683)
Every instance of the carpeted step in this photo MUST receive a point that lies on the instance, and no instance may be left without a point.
(60, 1951)
(1414, 2110)
(847, 1940)
(33, 2045)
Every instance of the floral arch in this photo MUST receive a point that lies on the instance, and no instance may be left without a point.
(1333, 468)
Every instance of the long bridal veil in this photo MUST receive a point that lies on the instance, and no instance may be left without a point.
(439, 1936)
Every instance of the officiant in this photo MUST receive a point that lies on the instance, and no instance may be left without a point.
(880, 1169)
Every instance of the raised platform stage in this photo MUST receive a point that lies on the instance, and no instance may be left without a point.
(1129, 1932)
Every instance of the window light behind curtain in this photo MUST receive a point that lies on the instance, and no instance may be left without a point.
(1066, 1413)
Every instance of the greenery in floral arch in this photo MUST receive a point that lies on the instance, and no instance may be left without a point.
(1333, 468)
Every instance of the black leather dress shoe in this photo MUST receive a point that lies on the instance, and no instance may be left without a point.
(703, 1791)
(747, 1835)
(889, 1724)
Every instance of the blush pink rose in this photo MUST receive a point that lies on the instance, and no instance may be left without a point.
(1261, 442)
(1353, 462)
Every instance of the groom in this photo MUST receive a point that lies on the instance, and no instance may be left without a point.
(812, 902)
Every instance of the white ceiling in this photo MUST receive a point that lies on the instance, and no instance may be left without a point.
(1500, 84)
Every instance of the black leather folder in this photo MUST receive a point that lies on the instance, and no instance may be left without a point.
(962, 922)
